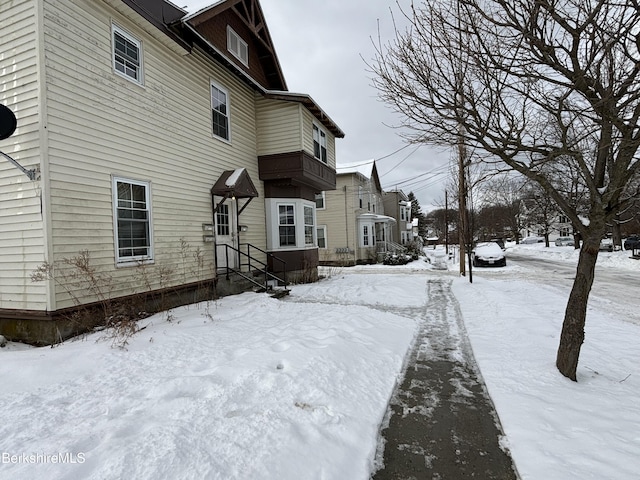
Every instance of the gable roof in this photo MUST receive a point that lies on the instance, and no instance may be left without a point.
(248, 18)
(366, 169)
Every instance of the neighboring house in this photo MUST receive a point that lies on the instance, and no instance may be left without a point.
(543, 220)
(351, 220)
(397, 205)
(162, 144)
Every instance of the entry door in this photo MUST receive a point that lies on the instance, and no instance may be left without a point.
(226, 229)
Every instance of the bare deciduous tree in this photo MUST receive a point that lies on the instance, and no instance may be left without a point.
(532, 84)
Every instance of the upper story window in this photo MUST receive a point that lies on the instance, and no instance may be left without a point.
(237, 46)
(220, 111)
(320, 200)
(319, 143)
(127, 55)
(132, 220)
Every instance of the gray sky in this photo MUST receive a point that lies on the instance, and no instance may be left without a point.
(322, 48)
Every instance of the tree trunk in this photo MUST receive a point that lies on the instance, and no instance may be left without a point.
(575, 315)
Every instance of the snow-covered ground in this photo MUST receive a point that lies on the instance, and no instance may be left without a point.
(252, 387)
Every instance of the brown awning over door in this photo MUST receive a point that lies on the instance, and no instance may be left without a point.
(234, 183)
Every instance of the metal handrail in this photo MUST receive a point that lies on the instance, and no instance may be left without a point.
(264, 266)
(387, 245)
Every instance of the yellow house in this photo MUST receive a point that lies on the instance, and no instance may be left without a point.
(162, 148)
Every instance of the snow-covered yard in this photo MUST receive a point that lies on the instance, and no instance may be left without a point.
(296, 389)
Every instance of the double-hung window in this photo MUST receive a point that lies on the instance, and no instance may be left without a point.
(132, 220)
(127, 55)
(308, 225)
(319, 143)
(220, 111)
(321, 233)
(320, 201)
(287, 225)
(365, 235)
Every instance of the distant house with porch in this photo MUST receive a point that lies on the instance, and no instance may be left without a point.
(352, 225)
(397, 205)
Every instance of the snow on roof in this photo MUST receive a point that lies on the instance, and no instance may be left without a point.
(233, 178)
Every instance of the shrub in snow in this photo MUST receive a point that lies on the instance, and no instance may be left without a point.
(3, 341)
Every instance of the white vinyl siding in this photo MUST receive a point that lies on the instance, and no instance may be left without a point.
(288, 127)
(101, 125)
(22, 239)
(279, 126)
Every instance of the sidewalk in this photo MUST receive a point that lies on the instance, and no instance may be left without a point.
(441, 422)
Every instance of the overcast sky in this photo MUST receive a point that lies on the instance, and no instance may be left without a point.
(322, 48)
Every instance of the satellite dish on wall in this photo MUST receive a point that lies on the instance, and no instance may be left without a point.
(8, 122)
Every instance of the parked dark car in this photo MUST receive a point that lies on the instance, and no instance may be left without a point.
(564, 242)
(489, 254)
(632, 242)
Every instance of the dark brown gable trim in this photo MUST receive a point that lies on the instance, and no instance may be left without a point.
(247, 13)
(160, 14)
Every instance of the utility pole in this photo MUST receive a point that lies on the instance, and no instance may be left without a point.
(462, 204)
(446, 222)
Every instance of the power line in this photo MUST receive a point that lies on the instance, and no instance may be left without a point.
(400, 162)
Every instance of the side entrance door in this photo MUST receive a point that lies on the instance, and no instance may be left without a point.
(226, 230)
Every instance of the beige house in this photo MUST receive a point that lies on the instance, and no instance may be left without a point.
(352, 225)
(397, 205)
(165, 146)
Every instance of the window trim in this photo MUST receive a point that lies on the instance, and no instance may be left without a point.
(130, 38)
(134, 259)
(213, 84)
(231, 33)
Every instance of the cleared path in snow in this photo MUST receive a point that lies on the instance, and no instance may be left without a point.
(441, 422)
